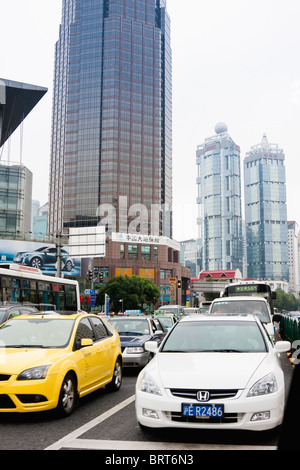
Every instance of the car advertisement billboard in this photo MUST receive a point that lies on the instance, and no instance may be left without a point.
(40, 255)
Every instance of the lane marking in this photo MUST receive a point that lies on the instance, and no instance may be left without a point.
(92, 444)
(73, 441)
(86, 427)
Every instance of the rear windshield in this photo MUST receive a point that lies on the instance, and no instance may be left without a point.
(242, 306)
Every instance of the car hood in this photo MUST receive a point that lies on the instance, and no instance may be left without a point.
(14, 360)
(207, 370)
(131, 340)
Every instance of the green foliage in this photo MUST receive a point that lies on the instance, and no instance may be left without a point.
(134, 291)
(286, 301)
(210, 296)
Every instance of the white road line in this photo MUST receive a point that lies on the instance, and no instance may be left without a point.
(64, 442)
(92, 444)
(72, 440)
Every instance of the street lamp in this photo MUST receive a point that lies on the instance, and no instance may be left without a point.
(121, 300)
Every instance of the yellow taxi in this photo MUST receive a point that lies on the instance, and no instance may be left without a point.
(49, 361)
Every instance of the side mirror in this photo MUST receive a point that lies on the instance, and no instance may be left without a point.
(151, 346)
(83, 343)
(158, 333)
(282, 346)
(86, 342)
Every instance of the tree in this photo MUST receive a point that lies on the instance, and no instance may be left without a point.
(133, 290)
(285, 301)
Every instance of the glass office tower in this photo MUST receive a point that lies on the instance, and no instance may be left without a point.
(112, 115)
(266, 212)
(219, 202)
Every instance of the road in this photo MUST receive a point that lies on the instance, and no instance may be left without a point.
(106, 421)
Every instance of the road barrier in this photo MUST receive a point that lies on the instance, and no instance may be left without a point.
(290, 326)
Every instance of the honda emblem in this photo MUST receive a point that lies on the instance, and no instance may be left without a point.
(203, 395)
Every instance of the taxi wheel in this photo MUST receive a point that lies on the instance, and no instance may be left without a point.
(68, 396)
(116, 382)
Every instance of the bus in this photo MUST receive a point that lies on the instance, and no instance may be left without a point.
(251, 288)
(29, 286)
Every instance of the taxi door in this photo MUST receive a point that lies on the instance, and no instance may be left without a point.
(87, 358)
(105, 347)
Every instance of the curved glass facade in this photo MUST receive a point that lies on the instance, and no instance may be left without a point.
(266, 213)
(112, 113)
(219, 203)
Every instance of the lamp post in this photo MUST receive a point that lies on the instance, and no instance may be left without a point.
(121, 300)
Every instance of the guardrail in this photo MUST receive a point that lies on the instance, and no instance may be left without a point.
(290, 326)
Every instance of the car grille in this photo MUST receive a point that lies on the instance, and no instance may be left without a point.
(6, 402)
(215, 394)
(4, 377)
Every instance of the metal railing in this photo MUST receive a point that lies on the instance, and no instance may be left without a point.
(290, 326)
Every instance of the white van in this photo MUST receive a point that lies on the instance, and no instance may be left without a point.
(245, 304)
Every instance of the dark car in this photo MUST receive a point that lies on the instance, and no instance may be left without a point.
(10, 311)
(134, 332)
(45, 256)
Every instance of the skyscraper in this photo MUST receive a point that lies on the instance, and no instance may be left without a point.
(266, 212)
(112, 115)
(219, 202)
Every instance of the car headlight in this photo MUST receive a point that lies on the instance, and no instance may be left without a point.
(135, 350)
(36, 373)
(148, 385)
(264, 386)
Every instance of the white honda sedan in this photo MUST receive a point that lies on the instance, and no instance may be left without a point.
(213, 373)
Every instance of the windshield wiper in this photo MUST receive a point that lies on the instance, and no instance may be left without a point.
(26, 346)
(224, 350)
(133, 333)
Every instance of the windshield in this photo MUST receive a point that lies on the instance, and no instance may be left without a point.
(34, 333)
(215, 336)
(125, 326)
(190, 311)
(2, 315)
(173, 310)
(255, 307)
(166, 321)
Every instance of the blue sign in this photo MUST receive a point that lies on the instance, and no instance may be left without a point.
(91, 291)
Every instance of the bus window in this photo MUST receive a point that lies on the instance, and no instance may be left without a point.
(70, 296)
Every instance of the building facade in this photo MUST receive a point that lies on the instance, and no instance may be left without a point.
(111, 151)
(152, 257)
(15, 200)
(266, 212)
(219, 202)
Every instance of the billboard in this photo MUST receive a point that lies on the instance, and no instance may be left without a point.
(41, 255)
(85, 242)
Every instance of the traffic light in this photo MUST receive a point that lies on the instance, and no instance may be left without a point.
(90, 274)
(179, 284)
(101, 277)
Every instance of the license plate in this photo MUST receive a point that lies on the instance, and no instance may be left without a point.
(203, 411)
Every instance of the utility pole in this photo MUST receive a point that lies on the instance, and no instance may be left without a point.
(58, 254)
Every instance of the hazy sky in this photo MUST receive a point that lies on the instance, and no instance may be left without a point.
(235, 61)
